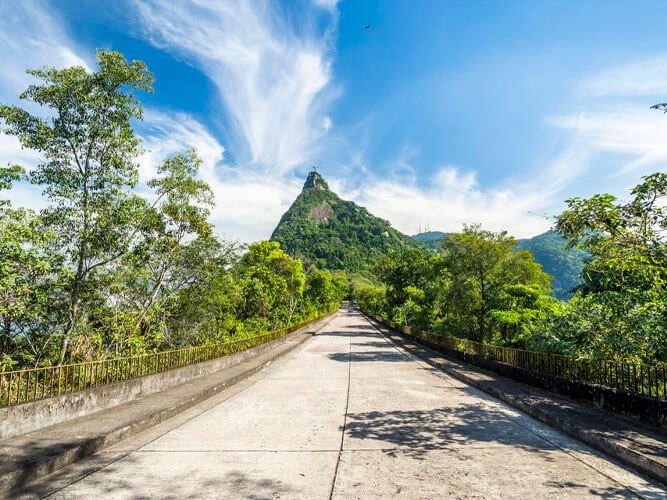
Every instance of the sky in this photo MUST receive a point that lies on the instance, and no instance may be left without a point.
(429, 113)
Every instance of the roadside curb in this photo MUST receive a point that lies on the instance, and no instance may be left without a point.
(18, 471)
(558, 420)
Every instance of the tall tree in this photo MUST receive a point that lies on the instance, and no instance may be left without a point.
(89, 154)
(620, 309)
(25, 269)
(179, 214)
(481, 265)
(273, 283)
(413, 280)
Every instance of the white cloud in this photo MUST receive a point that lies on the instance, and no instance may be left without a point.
(12, 153)
(273, 76)
(248, 204)
(449, 200)
(638, 78)
(166, 133)
(326, 4)
(636, 135)
(31, 36)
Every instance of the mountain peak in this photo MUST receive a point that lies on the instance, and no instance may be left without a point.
(331, 233)
(315, 181)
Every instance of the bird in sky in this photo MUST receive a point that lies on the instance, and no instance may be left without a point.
(367, 27)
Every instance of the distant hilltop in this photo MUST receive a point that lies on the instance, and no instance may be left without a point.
(331, 233)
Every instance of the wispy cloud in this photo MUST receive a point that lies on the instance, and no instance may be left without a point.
(272, 70)
(247, 203)
(31, 36)
(611, 138)
(635, 136)
(647, 76)
(273, 75)
(447, 200)
(165, 133)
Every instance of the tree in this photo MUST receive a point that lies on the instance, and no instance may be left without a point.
(272, 283)
(520, 312)
(413, 280)
(208, 310)
(619, 311)
(89, 151)
(180, 213)
(626, 240)
(25, 269)
(481, 265)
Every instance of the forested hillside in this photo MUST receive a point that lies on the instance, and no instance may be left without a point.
(430, 238)
(563, 264)
(331, 233)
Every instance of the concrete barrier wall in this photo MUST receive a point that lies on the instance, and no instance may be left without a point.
(27, 417)
(649, 411)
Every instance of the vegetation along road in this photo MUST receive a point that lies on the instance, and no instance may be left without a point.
(349, 415)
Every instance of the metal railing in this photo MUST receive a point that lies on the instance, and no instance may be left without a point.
(22, 386)
(632, 378)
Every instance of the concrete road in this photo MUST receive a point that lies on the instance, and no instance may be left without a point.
(348, 415)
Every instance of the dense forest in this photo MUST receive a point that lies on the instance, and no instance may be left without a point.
(103, 271)
(551, 251)
(481, 287)
(109, 269)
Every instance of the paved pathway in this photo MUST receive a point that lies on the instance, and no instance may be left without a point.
(348, 415)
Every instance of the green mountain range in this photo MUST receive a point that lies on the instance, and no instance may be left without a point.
(331, 233)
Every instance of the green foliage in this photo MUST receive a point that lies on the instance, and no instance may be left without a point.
(372, 299)
(481, 265)
(25, 274)
(521, 311)
(414, 282)
(549, 249)
(102, 271)
(607, 325)
(330, 233)
(273, 283)
(324, 289)
(89, 159)
(620, 309)
(430, 239)
(478, 287)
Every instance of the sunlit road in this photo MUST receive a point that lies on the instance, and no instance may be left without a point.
(348, 415)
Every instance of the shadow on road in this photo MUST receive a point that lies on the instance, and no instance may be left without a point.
(133, 477)
(417, 432)
(356, 357)
(334, 334)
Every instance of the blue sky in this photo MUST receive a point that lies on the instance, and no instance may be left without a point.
(441, 113)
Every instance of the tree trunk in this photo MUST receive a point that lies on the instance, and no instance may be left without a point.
(6, 343)
(71, 313)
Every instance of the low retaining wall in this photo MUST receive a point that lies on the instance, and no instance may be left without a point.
(28, 417)
(648, 410)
